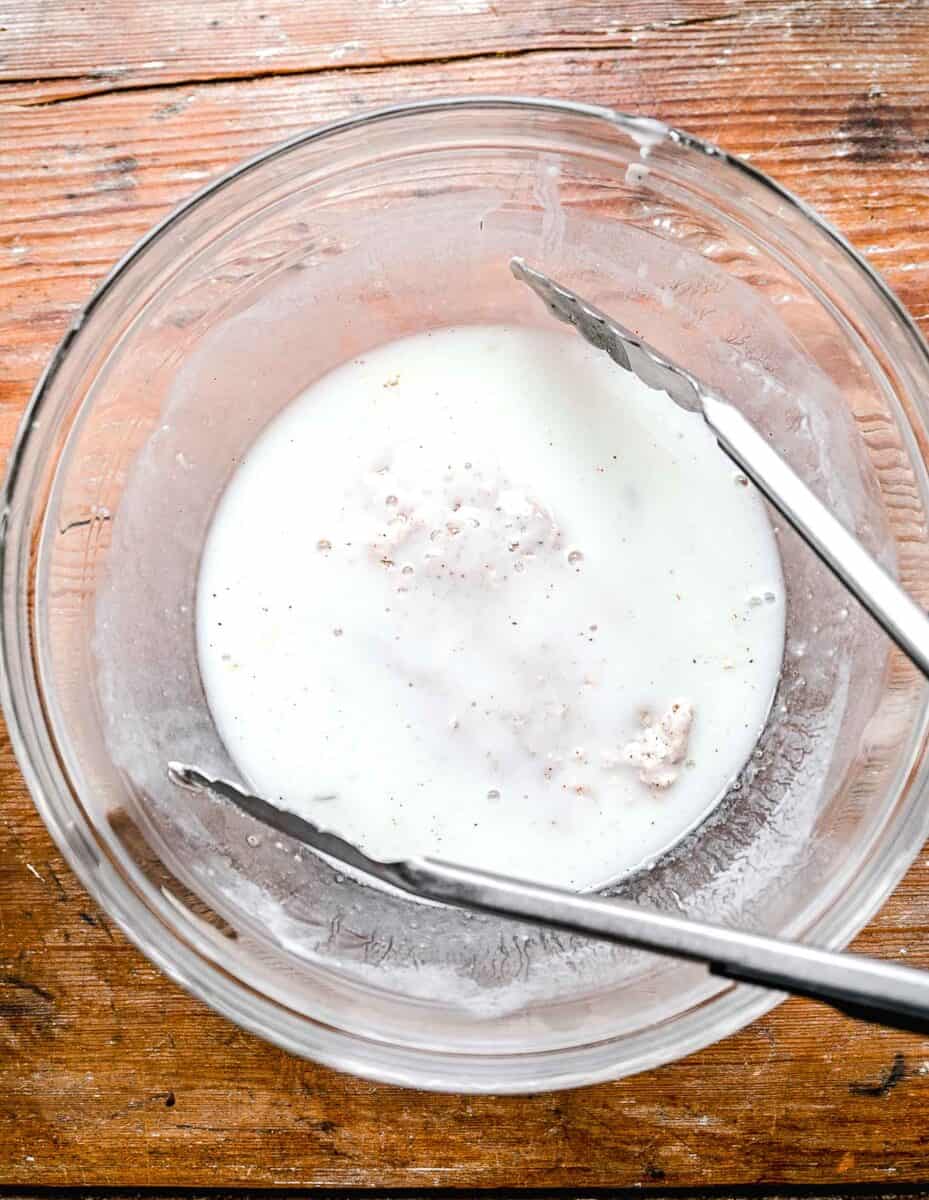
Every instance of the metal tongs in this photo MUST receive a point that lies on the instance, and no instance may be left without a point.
(862, 987)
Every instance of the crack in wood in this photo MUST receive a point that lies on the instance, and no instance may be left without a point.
(24, 985)
(288, 72)
(887, 1082)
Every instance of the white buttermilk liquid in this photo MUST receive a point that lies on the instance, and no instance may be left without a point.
(483, 595)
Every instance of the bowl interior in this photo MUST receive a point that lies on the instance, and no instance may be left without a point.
(330, 247)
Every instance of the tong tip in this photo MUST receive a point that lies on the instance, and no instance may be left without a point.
(625, 348)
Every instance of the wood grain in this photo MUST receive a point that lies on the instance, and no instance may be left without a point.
(110, 114)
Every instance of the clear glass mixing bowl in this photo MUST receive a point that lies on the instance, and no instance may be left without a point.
(311, 253)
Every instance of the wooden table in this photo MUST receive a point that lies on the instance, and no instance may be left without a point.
(110, 112)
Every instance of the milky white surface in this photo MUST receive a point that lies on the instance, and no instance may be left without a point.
(448, 582)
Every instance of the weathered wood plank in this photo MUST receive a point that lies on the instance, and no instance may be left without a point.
(111, 1075)
(71, 49)
(124, 43)
(283, 1193)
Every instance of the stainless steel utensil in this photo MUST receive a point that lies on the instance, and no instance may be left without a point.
(862, 987)
(900, 617)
